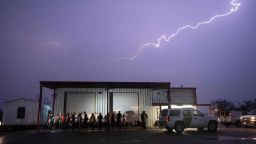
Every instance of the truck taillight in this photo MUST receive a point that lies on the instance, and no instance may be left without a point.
(166, 118)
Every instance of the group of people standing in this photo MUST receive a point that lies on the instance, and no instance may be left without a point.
(83, 122)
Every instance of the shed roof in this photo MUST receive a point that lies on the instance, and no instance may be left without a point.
(89, 84)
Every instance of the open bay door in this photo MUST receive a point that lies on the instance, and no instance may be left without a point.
(126, 103)
(80, 102)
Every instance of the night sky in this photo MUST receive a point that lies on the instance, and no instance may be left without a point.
(83, 40)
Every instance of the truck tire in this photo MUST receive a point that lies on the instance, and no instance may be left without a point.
(212, 126)
(169, 129)
(238, 123)
(179, 127)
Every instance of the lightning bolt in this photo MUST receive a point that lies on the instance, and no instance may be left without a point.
(235, 5)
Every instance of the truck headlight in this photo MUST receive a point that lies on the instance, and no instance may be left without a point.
(253, 119)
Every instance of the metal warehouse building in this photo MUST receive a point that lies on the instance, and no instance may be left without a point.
(128, 97)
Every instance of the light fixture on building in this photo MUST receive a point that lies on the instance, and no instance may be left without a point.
(183, 106)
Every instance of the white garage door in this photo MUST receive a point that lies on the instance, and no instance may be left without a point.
(80, 102)
(125, 102)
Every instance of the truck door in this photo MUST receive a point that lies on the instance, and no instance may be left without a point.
(187, 118)
(198, 119)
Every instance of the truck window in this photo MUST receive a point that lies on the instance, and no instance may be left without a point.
(186, 112)
(174, 112)
(197, 113)
(164, 112)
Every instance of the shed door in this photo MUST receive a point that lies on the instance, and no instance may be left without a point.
(126, 103)
(80, 102)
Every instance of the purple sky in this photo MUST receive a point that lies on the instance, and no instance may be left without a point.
(80, 40)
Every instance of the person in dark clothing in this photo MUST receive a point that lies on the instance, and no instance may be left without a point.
(50, 115)
(112, 120)
(144, 118)
(73, 120)
(118, 119)
(107, 121)
(100, 117)
(85, 124)
(92, 121)
(79, 121)
(67, 121)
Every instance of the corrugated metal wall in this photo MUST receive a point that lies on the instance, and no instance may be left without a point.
(183, 96)
(144, 98)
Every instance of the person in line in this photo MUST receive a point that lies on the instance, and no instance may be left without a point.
(118, 119)
(112, 120)
(92, 121)
(144, 118)
(73, 120)
(107, 121)
(100, 117)
(62, 119)
(56, 121)
(79, 121)
(67, 121)
(124, 121)
(49, 120)
(85, 124)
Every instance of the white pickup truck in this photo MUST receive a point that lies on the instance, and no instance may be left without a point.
(249, 120)
(179, 119)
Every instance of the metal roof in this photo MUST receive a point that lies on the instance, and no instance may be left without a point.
(89, 84)
(183, 88)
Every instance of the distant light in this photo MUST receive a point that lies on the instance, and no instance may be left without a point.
(0, 123)
(164, 107)
(253, 119)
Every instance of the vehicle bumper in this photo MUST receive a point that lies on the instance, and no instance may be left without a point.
(249, 123)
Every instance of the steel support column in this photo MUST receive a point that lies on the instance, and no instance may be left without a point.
(169, 97)
(39, 108)
(53, 100)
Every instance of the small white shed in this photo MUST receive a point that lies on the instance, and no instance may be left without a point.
(23, 111)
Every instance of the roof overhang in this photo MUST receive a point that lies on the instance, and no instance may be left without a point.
(86, 84)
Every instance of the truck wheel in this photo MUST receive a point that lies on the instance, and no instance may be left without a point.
(212, 126)
(169, 129)
(179, 127)
(238, 123)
